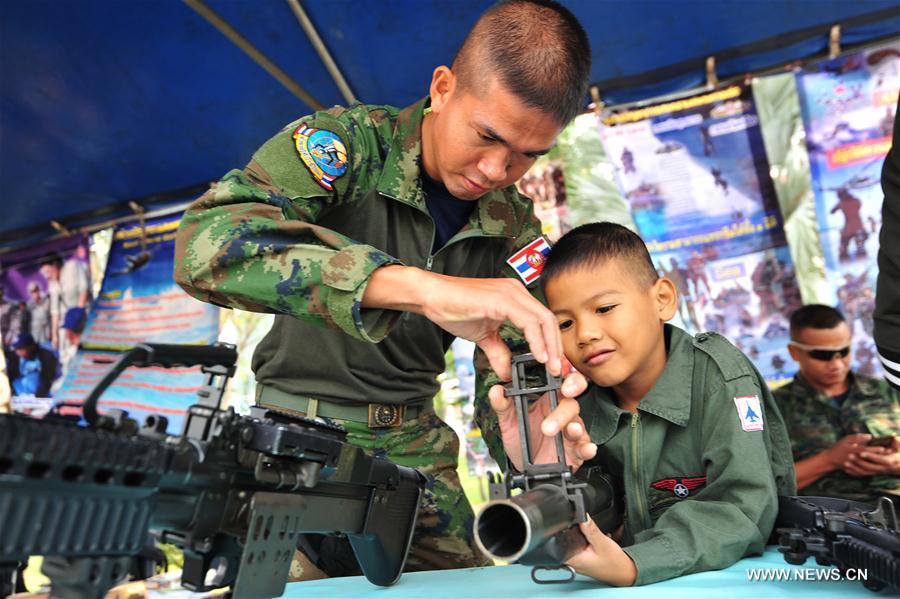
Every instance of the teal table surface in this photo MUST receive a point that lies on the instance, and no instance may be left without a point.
(808, 580)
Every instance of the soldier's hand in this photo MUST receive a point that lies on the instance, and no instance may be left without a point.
(872, 461)
(840, 453)
(475, 309)
(544, 425)
(471, 308)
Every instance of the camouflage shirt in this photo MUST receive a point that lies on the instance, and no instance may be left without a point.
(815, 424)
(273, 238)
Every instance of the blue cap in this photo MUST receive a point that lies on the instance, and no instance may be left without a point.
(23, 340)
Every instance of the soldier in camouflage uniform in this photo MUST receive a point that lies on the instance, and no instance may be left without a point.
(833, 413)
(377, 235)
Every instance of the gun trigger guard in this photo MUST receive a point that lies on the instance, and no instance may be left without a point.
(537, 580)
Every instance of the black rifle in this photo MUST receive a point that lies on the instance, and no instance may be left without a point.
(842, 533)
(234, 492)
(539, 527)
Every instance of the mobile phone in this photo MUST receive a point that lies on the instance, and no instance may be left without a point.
(885, 441)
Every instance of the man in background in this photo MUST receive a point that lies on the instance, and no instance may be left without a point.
(31, 368)
(843, 425)
(69, 290)
(39, 308)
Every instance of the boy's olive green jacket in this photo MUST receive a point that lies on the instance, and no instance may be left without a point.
(703, 459)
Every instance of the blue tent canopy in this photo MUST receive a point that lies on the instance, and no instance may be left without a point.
(106, 101)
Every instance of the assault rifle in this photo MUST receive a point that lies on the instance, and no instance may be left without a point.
(842, 533)
(234, 492)
(539, 527)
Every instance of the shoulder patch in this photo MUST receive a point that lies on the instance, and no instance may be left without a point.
(750, 412)
(730, 360)
(528, 262)
(323, 152)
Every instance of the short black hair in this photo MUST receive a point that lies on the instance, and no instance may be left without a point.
(538, 50)
(54, 258)
(595, 243)
(815, 316)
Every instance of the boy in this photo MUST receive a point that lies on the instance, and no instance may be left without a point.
(832, 413)
(686, 421)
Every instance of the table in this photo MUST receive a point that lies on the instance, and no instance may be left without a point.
(515, 581)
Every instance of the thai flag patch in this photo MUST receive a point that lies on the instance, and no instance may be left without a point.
(749, 412)
(529, 261)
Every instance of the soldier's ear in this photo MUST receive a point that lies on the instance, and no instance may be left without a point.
(443, 84)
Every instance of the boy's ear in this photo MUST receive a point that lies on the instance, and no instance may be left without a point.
(666, 298)
(795, 353)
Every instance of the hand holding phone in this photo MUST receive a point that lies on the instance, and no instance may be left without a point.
(885, 441)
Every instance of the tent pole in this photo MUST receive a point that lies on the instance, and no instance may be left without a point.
(87, 229)
(323, 52)
(250, 50)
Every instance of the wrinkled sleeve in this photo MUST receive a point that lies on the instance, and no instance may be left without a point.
(252, 242)
(887, 296)
(485, 377)
(733, 514)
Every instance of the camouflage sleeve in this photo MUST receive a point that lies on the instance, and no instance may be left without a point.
(887, 294)
(485, 377)
(252, 242)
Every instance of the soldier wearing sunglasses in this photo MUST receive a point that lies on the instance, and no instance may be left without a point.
(844, 425)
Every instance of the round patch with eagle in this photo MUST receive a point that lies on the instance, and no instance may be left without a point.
(323, 152)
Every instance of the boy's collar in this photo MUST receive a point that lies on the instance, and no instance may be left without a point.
(669, 398)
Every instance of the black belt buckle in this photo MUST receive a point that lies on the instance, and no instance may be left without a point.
(385, 415)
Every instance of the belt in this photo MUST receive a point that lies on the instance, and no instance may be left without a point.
(376, 415)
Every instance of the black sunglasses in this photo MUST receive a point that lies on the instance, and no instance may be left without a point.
(824, 355)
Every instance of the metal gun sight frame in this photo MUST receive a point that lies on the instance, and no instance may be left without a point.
(540, 481)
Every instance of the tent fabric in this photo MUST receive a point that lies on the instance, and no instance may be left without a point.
(105, 101)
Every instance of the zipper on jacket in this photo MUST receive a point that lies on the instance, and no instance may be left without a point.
(635, 468)
(429, 261)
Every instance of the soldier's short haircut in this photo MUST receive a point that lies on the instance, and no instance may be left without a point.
(595, 244)
(536, 48)
(815, 316)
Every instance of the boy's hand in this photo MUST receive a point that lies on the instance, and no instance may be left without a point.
(544, 425)
(603, 559)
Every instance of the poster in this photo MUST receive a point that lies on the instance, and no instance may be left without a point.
(695, 175)
(848, 106)
(45, 296)
(545, 184)
(140, 302)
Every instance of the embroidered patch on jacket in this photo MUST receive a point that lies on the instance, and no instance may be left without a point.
(681, 487)
(323, 152)
(529, 261)
(749, 412)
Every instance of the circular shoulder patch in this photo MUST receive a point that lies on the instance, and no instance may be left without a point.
(323, 152)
